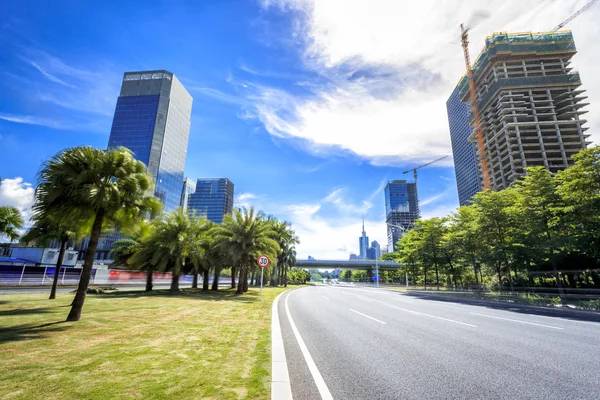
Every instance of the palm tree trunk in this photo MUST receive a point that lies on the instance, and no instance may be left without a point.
(233, 271)
(175, 283)
(215, 284)
(195, 278)
(252, 277)
(205, 274)
(285, 271)
(86, 270)
(274, 276)
(149, 280)
(61, 256)
(240, 286)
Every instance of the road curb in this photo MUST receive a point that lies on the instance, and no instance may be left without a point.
(280, 376)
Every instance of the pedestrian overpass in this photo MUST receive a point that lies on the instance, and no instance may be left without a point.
(351, 264)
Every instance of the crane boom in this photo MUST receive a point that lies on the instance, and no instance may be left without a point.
(572, 17)
(475, 109)
(424, 165)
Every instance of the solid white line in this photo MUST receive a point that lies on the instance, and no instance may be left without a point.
(314, 371)
(419, 313)
(280, 376)
(521, 322)
(325, 298)
(398, 297)
(364, 315)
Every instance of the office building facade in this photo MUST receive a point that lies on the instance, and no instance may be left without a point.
(530, 102)
(152, 119)
(401, 209)
(189, 187)
(466, 164)
(212, 199)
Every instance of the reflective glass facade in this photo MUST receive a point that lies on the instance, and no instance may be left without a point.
(152, 119)
(212, 199)
(401, 209)
(189, 187)
(463, 151)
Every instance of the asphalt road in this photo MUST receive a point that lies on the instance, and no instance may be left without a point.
(378, 344)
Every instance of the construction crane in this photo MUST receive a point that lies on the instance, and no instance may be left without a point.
(421, 166)
(475, 108)
(572, 17)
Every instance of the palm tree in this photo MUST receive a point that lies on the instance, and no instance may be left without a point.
(244, 236)
(46, 229)
(287, 239)
(109, 184)
(179, 237)
(139, 251)
(10, 222)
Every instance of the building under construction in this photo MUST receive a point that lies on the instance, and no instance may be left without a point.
(530, 104)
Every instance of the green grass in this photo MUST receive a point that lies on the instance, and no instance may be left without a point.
(134, 345)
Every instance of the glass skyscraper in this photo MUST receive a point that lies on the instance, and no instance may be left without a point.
(189, 187)
(212, 199)
(401, 209)
(463, 151)
(152, 119)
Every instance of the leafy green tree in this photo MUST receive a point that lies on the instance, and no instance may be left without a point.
(539, 206)
(109, 184)
(464, 237)
(497, 223)
(410, 254)
(10, 222)
(579, 189)
(244, 236)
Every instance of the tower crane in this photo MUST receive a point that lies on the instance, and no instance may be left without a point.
(421, 166)
(464, 35)
(572, 17)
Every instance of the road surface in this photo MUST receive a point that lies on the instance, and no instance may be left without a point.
(372, 344)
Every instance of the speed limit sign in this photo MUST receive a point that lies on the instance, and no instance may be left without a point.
(263, 261)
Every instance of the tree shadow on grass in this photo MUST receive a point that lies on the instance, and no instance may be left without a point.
(26, 332)
(219, 295)
(25, 311)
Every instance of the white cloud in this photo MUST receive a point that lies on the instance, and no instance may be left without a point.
(391, 65)
(19, 194)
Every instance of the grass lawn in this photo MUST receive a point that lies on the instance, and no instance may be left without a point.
(137, 345)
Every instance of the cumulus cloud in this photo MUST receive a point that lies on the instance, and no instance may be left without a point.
(19, 194)
(389, 67)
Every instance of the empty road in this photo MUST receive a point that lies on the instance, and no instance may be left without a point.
(359, 343)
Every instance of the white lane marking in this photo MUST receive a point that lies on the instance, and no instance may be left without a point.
(521, 322)
(314, 371)
(326, 298)
(417, 312)
(280, 376)
(365, 315)
(399, 297)
(564, 319)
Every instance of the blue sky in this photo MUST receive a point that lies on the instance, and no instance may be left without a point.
(309, 107)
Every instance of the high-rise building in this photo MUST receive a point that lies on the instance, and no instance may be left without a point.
(530, 103)
(401, 209)
(354, 257)
(189, 187)
(465, 159)
(212, 199)
(376, 249)
(363, 242)
(152, 119)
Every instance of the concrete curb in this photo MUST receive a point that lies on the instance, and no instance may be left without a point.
(281, 388)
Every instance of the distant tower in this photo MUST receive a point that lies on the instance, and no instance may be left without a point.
(363, 242)
(401, 209)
